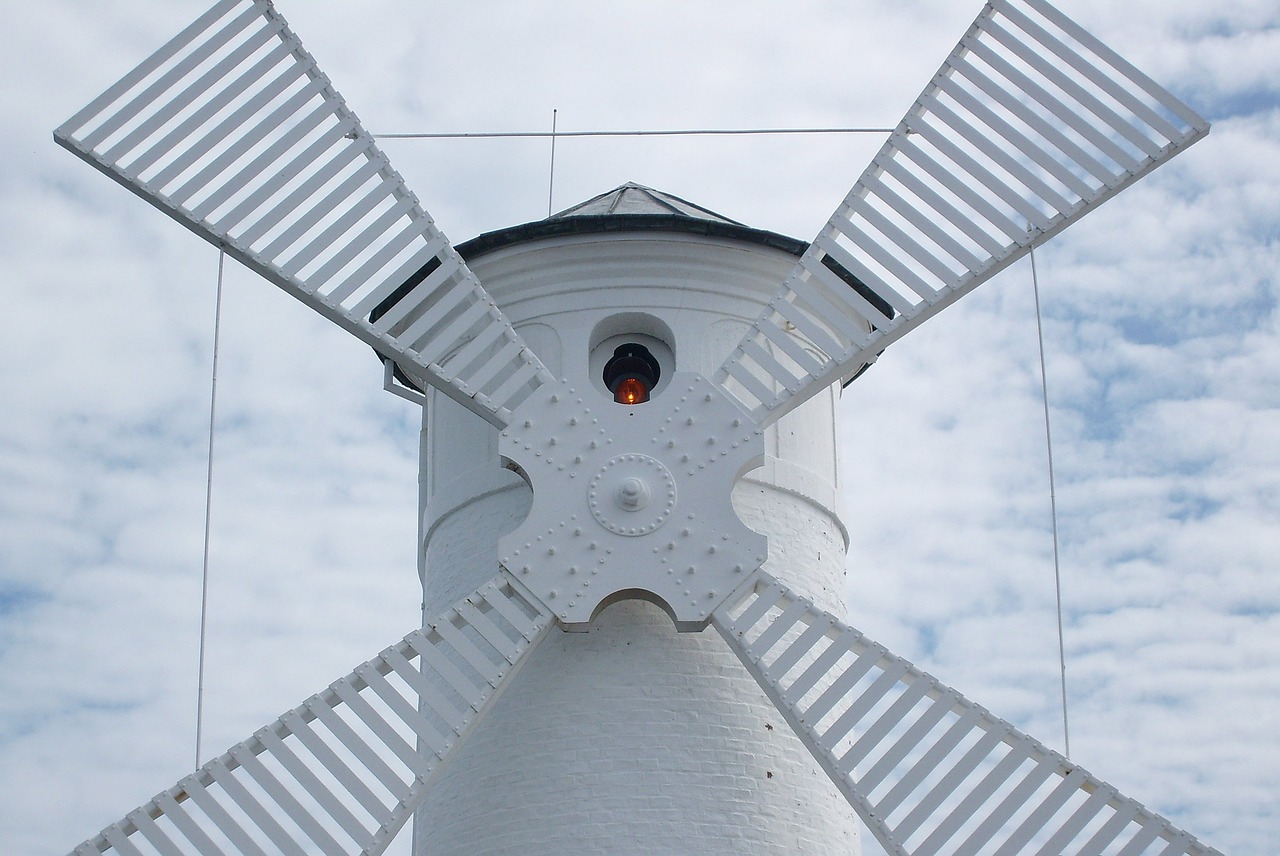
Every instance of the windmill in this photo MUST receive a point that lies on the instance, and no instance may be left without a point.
(233, 131)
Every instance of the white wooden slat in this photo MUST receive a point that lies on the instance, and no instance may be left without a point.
(1037, 121)
(1021, 837)
(312, 784)
(463, 646)
(433, 346)
(956, 773)
(864, 314)
(779, 627)
(771, 366)
(426, 329)
(354, 743)
(154, 835)
(462, 359)
(791, 346)
(797, 689)
(265, 163)
(409, 232)
(179, 817)
(464, 686)
(253, 808)
(840, 687)
(302, 220)
(817, 288)
(158, 88)
(1111, 829)
(979, 175)
(428, 692)
(907, 245)
(371, 198)
(905, 742)
(1000, 815)
(504, 398)
(1127, 73)
(337, 768)
(385, 731)
(440, 284)
(117, 839)
(886, 258)
(1026, 145)
(481, 377)
(279, 794)
(1140, 842)
(506, 601)
(221, 818)
(1002, 152)
(1091, 110)
(925, 220)
(893, 716)
(436, 245)
(159, 58)
(916, 774)
(407, 712)
(802, 645)
(367, 238)
(1078, 820)
(239, 146)
(236, 113)
(886, 292)
(868, 698)
(484, 625)
(978, 785)
(765, 600)
(739, 372)
(908, 156)
(935, 200)
(130, 141)
(817, 336)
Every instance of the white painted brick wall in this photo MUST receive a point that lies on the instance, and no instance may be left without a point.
(633, 738)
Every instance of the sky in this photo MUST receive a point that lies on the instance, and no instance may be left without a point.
(1161, 338)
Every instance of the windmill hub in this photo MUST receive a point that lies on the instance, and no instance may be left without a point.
(613, 483)
(620, 491)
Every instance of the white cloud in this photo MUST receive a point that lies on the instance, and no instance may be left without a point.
(1161, 329)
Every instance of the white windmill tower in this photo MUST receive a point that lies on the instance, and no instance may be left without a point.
(666, 406)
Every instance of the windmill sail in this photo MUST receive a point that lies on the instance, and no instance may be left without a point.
(233, 131)
(344, 770)
(1030, 124)
(927, 770)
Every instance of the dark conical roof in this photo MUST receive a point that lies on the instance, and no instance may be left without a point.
(630, 207)
(632, 198)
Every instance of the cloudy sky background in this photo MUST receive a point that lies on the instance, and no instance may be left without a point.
(1160, 328)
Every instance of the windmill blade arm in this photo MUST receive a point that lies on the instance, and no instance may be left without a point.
(344, 770)
(232, 130)
(927, 770)
(1030, 124)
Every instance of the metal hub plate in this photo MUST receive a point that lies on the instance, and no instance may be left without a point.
(632, 500)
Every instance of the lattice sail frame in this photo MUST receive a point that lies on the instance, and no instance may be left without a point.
(926, 769)
(344, 770)
(1030, 124)
(233, 131)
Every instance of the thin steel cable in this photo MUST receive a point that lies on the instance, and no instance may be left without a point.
(683, 132)
(551, 179)
(208, 506)
(1053, 509)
